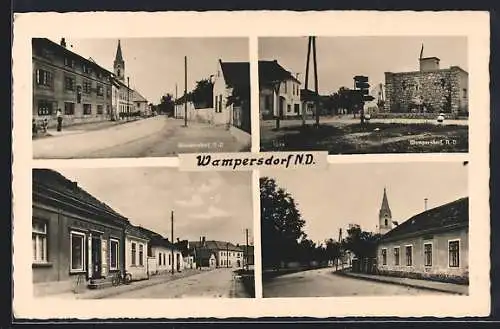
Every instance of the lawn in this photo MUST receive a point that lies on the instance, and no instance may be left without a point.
(371, 138)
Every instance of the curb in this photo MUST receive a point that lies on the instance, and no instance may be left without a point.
(399, 283)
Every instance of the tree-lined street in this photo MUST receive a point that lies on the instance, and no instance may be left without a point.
(156, 136)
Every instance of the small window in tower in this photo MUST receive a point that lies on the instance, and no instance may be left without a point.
(385, 222)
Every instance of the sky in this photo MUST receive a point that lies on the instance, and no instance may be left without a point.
(339, 59)
(347, 194)
(156, 65)
(217, 205)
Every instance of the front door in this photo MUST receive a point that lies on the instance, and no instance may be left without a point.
(178, 263)
(96, 257)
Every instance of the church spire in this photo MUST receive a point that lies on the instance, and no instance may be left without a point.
(384, 208)
(119, 57)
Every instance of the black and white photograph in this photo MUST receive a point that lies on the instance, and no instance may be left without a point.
(366, 229)
(362, 95)
(139, 97)
(102, 233)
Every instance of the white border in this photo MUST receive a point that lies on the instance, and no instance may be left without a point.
(474, 25)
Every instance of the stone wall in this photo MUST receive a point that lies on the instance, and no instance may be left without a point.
(431, 91)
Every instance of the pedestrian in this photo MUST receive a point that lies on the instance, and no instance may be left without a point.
(59, 120)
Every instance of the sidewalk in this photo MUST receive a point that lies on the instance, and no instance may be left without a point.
(413, 283)
(117, 290)
(83, 127)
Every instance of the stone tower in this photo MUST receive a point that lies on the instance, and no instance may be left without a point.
(119, 63)
(384, 216)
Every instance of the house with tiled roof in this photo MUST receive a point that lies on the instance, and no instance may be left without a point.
(76, 237)
(433, 244)
(140, 104)
(226, 253)
(279, 91)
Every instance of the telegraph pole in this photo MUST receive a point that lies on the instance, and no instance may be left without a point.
(227, 254)
(128, 98)
(316, 103)
(175, 109)
(307, 78)
(172, 236)
(185, 91)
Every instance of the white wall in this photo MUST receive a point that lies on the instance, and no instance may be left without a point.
(230, 260)
(167, 266)
(137, 271)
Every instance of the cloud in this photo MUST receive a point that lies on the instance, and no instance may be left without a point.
(194, 201)
(212, 184)
(212, 212)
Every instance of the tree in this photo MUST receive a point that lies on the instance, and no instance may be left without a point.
(281, 223)
(202, 94)
(333, 250)
(166, 105)
(361, 243)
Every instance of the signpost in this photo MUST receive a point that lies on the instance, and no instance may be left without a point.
(362, 86)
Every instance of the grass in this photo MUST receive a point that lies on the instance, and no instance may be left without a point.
(371, 138)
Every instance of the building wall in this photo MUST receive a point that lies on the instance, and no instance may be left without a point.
(164, 261)
(57, 95)
(440, 257)
(222, 112)
(137, 270)
(431, 88)
(229, 258)
(266, 102)
(56, 272)
(290, 90)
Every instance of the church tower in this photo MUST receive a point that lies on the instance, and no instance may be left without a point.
(119, 64)
(384, 216)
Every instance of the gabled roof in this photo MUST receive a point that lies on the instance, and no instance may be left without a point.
(49, 43)
(137, 97)
(271, 71)
(216, 245)
(203, 253)
(445, 217)
(54, 180)
(236, 74)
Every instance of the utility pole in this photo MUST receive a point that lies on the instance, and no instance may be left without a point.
(246, 249)
(172, 236)
(185, 91)
(227, 254)
(309, 45)
(316, 103)
(128, 98)
(175, 100)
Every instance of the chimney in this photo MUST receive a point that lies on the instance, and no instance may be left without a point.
(425, 204)
(63, 42)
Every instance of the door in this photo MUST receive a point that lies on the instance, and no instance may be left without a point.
(96, 257)
(282, 107)
(178, 262)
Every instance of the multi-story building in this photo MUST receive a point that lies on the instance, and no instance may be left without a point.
(279, 91)
(64, 80)
(429, 90)
(226, 253)
(123, 95)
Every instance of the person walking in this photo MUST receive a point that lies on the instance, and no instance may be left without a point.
(59, 120)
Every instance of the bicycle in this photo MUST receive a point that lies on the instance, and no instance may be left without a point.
(120, 278)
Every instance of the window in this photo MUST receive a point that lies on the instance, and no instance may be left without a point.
(44, 78)
(289, 108)
(465, 93)
(69, 62)
(169, 259)
(87, 87)
(44, 107)
(286, 85)
(77, 251)
(69, 83)
(297, 108)
(100, 90)
(113, 254)
(386, 222)
(86, 69)
(409, 254)
(69, 108)
(396, 256)
(454, 253)
(133, 253)
(141, 255)
(39, 237)
(384, 256)
(428, 254)
(87, 109)
(107, 109)
(108, 92)
(99, 109)
(99, 75)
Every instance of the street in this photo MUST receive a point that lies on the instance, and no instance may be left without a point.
(151, 137)
(323, 283)
(217, 283)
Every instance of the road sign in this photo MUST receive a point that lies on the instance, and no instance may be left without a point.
(361, 78)
(362, 85)
(368, 98)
